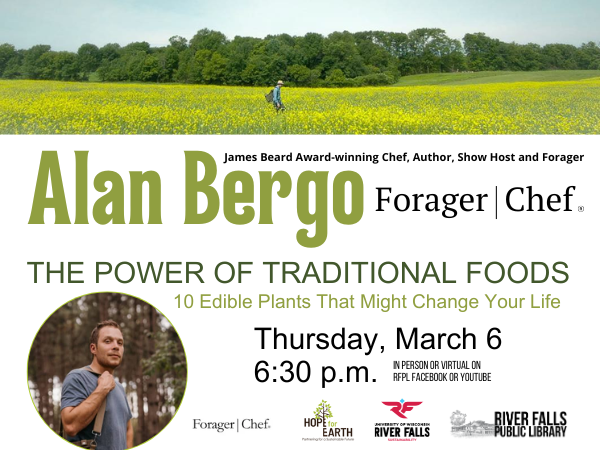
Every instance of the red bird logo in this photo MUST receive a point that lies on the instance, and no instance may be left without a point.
(401, 407)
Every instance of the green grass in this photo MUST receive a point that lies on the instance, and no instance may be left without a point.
(458, 79)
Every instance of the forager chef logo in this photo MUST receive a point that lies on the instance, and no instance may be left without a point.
(321, 419)
(401, 407)
(402, 431)
(237, 425)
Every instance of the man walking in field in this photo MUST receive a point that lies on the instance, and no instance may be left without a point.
(277, 103)
(94, 409)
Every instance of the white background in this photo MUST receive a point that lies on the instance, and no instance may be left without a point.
(548, 358)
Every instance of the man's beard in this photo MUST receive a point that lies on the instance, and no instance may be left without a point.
(108, 362)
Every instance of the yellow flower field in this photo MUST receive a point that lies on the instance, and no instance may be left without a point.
(40, 107)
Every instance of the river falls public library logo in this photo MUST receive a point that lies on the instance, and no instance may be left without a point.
(402, 431)
(512, 424)
(329, 430)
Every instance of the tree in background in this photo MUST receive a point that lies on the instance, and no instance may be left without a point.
(238, 55)
(483, 53)
(365, 58)
(7, 54)
(89, 58)
(589, 56)
(63, 66)
(110, 52)
(33, 64)
(560, 56)
(341, 53)
(299, 75)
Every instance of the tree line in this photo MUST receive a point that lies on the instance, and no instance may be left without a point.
(153, 371)
(339, 59)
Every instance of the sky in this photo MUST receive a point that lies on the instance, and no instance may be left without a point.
(66, 24)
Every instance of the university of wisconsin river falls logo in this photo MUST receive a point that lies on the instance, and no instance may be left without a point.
(321, 418)
(402, 407)
(402, 431)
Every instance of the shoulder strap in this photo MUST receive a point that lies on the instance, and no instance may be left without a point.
(100, 416)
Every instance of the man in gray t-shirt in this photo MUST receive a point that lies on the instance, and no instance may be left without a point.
(84, 392)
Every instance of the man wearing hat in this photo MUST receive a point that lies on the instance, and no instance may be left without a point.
(277, 103)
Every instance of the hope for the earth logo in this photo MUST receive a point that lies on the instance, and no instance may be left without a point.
(330, 429)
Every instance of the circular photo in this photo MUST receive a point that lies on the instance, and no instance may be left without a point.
(107, 371)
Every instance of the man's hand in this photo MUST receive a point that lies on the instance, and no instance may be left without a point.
(106, 382)
(76, 418)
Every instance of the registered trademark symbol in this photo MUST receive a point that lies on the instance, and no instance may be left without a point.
(580, 208)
